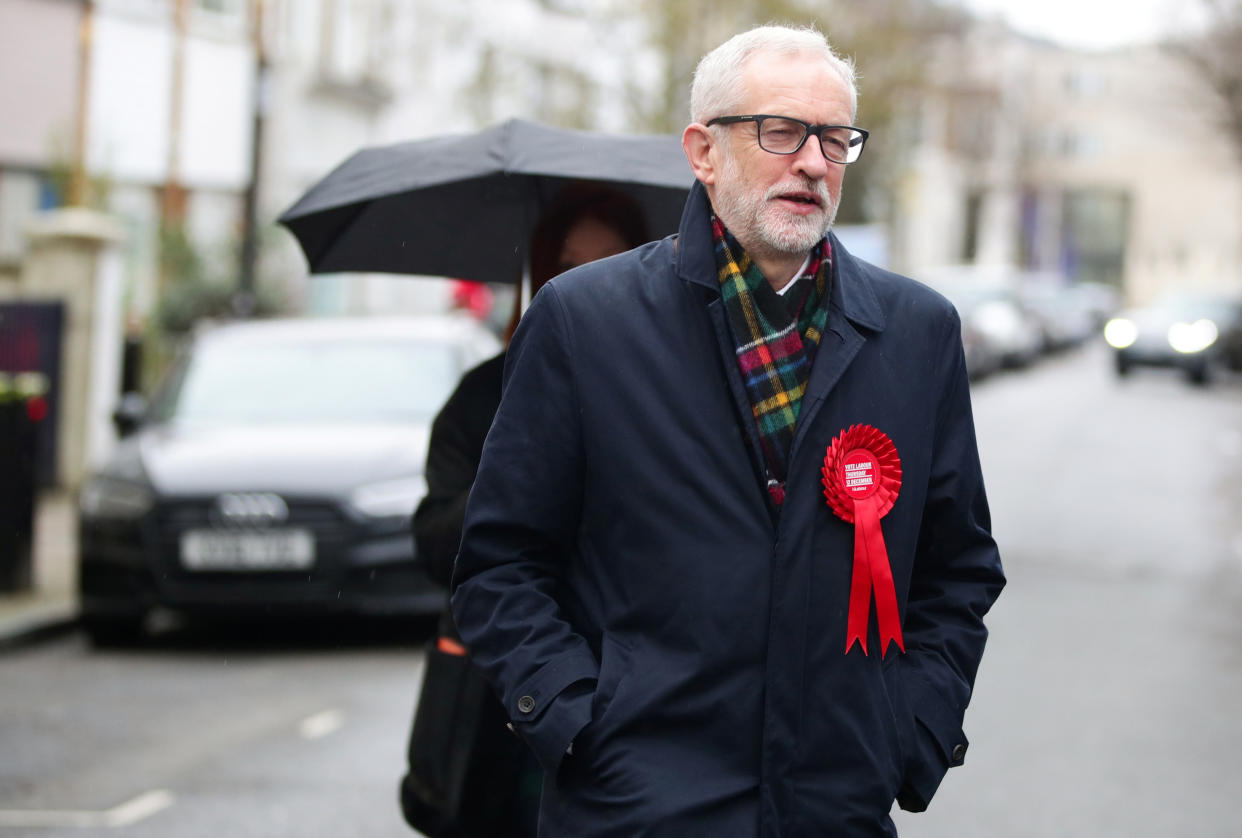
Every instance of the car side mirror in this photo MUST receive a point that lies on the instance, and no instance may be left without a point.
(130, 412)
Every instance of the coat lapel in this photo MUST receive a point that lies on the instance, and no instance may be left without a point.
(695, 264)
(737, 388)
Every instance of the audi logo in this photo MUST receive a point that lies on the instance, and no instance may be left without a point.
(250, 509)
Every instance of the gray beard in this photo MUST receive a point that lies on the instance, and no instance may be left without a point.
(757, 224)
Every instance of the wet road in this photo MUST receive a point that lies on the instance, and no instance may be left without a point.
(1107, 704)
(253, 733)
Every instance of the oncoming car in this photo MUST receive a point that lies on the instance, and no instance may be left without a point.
(1198, 333)
(274, 472)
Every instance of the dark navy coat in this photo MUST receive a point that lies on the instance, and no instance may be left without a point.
(626, 585)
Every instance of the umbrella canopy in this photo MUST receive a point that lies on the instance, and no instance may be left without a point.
(465, 205)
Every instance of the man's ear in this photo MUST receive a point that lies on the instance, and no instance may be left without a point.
(700, 147)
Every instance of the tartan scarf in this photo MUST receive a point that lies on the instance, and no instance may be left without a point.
(775, 347)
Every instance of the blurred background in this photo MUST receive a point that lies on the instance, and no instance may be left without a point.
(1068, 174)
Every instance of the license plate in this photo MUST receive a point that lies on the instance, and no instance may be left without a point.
(269, 550)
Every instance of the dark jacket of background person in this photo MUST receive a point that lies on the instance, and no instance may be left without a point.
(457, 436)
(627, 587)
(506, 778)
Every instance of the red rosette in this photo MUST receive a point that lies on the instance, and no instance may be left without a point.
(862, 477)
(855, 446)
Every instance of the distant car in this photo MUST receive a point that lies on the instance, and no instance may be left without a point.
(1065, 313)
(1100, 300)
(1198, 333)
(997, 330)
(274, 472)
(982, 358)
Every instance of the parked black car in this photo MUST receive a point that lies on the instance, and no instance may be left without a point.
(274, 472)
(1198, 333)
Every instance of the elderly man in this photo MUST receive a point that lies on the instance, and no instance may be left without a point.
(727, 556)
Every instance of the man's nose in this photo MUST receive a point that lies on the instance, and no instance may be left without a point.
(810, 159)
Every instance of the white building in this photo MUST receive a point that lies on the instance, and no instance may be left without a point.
(155, 108)
(1103, 166)
(166, 102)
(38, 103)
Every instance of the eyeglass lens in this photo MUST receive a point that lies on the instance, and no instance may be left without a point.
(785, 136)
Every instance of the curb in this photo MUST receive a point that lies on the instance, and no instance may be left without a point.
(29, 623)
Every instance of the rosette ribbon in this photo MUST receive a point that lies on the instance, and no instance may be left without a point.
(862, 476)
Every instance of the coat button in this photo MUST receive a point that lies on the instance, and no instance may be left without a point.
(959, 753)
(526, 704)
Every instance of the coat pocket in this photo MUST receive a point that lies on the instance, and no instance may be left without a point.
(591, 743)
(614, 668)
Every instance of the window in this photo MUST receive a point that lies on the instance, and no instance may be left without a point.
(970, 239)
(1095, 232)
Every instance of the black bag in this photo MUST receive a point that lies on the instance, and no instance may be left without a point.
(463, 761)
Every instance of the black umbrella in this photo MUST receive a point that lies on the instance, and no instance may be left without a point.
(465, 205)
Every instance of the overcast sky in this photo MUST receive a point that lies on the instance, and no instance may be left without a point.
(1092, 23)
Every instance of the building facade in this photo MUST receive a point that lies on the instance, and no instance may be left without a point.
(1101, 166)
(167, 109)
(1095, 166)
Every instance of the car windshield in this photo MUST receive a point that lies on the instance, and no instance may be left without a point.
(305, 381)
(1190, 307)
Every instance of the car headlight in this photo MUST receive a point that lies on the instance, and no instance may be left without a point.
(1120, 333)
(1189, 338)
(118, 500)
(389, 498)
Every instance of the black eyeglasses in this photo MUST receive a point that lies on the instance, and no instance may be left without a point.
(786, 135)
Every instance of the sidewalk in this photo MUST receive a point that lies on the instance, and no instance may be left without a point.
(51, 605)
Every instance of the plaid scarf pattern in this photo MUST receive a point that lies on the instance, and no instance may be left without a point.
(775, 346)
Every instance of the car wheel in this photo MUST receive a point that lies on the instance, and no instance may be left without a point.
(1200, 374)
(113, 632)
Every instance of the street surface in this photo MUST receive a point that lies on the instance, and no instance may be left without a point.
(255, 733)
(1107, 704)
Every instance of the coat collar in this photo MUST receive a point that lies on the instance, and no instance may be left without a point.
(851, 293)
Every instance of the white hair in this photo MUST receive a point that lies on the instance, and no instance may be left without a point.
(717, 79)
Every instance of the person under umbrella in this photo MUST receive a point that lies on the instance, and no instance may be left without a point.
(587, 221)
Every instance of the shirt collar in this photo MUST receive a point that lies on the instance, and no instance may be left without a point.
(800, 274)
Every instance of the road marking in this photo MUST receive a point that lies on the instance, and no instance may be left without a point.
(127, 814)
(321, 724)
(140, 808)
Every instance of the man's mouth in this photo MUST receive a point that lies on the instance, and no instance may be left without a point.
(809, 199)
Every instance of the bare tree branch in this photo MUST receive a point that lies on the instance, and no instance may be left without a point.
(1216, 57)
